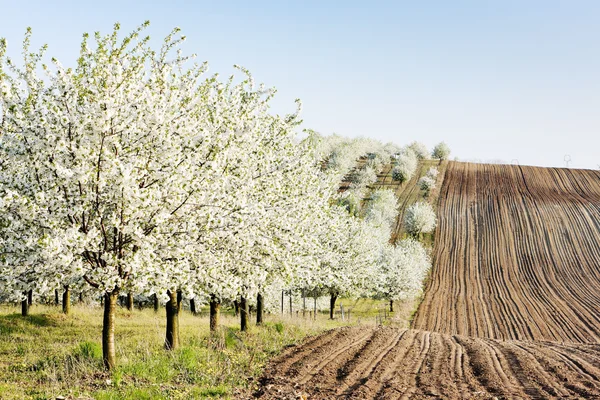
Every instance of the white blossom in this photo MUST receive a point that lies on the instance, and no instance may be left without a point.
(420, 150)
(419, 218)
(441, 151)
(405, 165)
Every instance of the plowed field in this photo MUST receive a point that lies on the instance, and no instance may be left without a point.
(391, 363)
(517, 254)
(512, 309)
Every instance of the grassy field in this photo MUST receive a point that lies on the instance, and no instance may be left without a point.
(48, 354)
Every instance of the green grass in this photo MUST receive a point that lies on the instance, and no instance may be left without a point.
(48, 354)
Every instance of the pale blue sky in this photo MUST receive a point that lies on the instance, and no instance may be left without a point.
(505, 79)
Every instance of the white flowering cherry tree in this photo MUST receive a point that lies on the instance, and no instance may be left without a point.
(103, 159)
(419, 218)
(405, 165)
(403, 268)
(441, 151)
(420, 150)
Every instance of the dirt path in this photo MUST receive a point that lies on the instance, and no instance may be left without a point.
(512, 309)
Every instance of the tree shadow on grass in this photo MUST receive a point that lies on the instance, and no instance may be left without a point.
(13, 322)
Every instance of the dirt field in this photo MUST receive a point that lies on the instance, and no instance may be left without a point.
(517, 254)
(391, 363)
(512, 309)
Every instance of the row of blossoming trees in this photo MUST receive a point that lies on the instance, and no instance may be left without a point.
(135, 172)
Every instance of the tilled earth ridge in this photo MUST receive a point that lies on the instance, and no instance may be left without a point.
(394, 363)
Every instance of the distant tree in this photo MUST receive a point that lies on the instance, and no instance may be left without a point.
(419, 218)
(441, 151)
(382, 210)
(420, 150)
(427, 184)
(406, 164)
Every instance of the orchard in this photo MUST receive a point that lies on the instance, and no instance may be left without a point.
(137, 172)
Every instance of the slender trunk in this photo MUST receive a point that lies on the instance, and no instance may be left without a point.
(172, 307)
(30, 297)
(315, 307)
(56, 299)
(303, 303)
(391, 305)
(243, 314)
(259, 309)
(236, 307)
(108, 329)
(25, 305)
(332, 304)
(179, 301)
(282, 300)
(81, 297)
(215, 307)
(130, 301)
(66, 300)
(193, 306)
(155, 300)
(291, 313)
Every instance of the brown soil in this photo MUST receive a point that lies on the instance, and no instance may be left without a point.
(517, 255)
(512, 309)
(394, 363)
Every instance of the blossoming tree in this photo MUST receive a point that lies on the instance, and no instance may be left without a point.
(419, 218)
(104, 158)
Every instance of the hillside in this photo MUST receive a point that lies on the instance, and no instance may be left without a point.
(517, 254)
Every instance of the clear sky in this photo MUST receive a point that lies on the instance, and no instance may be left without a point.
(505, 79)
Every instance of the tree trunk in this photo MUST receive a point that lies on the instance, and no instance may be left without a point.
(172, 307)
(291, 313)
(259, 309)
(129, 301)
(236, 307)
(30, 297)
(25, 305)
(282, 300)
(193, 306)
(179, 300)
(80, 297)
(303, 303)
(66, 301)
(391, 305)
(156, 304)
(332, 304)
(243, 314)
(56, 299)
(315, 307)
(215, 307)
(108, 329)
